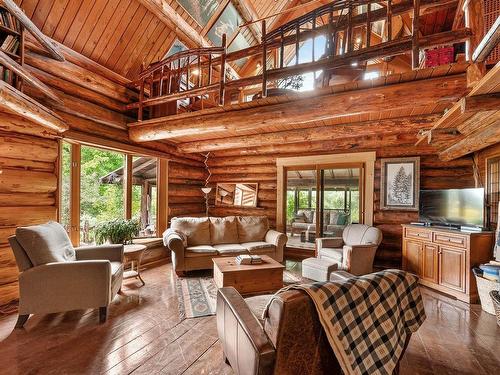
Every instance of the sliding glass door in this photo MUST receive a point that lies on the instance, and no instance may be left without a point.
(321, 201)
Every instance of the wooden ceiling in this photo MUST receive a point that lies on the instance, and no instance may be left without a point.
(118, 34)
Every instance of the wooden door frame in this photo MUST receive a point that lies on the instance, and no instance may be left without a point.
(284, 164)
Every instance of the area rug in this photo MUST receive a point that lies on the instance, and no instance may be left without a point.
(198, 294)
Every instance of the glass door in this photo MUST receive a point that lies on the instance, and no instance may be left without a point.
(341, 198)
(301, 206)
(321, 200)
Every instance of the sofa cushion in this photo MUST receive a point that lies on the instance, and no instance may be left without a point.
(199, 251)
(46, 243)
(252, 228)
(332, 254)
(196, 229)
(230, 249)
(223, 230)
(259, 247)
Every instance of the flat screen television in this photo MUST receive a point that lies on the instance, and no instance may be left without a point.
(452, 207)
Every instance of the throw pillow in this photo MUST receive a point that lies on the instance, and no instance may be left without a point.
(252, 228)
(223, 230)
(196, 229)
(46, 243)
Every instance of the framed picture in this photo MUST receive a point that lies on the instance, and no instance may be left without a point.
(400, 184)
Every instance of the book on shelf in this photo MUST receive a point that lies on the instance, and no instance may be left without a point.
(9, 21)
(10, 44)
(248, 259)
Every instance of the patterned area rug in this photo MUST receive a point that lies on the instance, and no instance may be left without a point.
(198, 293)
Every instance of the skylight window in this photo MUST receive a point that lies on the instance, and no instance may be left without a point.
(200, 10)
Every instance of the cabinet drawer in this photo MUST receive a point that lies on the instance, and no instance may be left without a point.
(450, 239)
(420, 234)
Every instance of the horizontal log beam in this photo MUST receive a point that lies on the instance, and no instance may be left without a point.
(20, 104)
(323, 133)
(9, 63)
(488, 135)
(306, 111)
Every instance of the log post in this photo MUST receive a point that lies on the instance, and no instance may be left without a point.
(264, 60)
(474, 19)
(389, 20)
(415, 52)
(368, 26)
(127, 186)
(222, 71)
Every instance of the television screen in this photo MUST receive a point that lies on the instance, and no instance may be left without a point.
(452, 206)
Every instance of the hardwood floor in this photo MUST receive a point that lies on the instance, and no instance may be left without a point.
(144, 335)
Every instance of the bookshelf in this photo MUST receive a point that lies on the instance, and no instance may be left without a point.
(12, 44)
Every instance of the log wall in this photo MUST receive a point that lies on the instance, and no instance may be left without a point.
(28, 188)
(259, 165)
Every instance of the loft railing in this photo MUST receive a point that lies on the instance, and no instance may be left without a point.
(346, 25)
(181, 76)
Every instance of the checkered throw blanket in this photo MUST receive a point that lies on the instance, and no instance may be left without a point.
(367, 319)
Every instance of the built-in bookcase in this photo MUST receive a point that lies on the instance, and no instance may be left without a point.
(12, 43)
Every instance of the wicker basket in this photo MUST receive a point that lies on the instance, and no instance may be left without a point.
(484, 287)
(495, 297)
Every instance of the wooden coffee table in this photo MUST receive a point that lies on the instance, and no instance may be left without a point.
(246, 279)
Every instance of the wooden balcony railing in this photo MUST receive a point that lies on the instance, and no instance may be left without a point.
(347, 26)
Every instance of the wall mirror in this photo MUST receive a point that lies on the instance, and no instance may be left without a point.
(236, 194)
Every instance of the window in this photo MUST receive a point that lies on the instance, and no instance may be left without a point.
(371, 75)
(103, 193)
(493, 190)
(200, 10)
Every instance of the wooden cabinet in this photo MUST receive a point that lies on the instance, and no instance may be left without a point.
(443, 258)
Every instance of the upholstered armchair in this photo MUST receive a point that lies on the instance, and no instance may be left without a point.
(354, 251)
(55, 277)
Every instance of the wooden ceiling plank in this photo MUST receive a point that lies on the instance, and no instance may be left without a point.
(90, 24)
(100, 28)
(66, 19)
(106, 40)
(78, 22)
(118, 31)
(132, 38)
(54, 17)
(42, 12)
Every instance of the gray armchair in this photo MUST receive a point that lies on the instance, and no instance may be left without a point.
(55, 277)
(354, 251)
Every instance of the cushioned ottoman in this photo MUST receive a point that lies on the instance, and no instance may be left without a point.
(318, 269)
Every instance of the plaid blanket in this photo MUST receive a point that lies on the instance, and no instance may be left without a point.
(367, 319)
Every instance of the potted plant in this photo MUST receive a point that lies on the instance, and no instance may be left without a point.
(118, 231)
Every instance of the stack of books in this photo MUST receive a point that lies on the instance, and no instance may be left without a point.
(9, 21)
(248, 259)
(10, 44)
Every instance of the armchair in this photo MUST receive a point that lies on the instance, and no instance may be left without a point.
(354, 251)
(55, 277)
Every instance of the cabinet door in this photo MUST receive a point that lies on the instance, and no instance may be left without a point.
(430, 263)
(452, 268)
(412, 256)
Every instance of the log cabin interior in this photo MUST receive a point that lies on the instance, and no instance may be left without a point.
(166, 166)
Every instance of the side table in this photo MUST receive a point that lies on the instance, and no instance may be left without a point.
(133, 254)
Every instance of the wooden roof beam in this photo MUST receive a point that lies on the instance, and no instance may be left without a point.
(490, 41)
(9, 63)
(322, 133)
(326, 107)
(16, 102)
(12, 7)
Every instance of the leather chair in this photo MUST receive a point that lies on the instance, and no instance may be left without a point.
(289, 341)
(55, 277)
(354, 251)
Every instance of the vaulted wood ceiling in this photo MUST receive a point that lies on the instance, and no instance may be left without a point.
(119, 34)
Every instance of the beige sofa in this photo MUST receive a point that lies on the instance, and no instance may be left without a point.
(194, 242)
(55, 277)
(354, 251)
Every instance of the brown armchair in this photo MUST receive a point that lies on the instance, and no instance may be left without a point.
(55, 277)
(289, 341)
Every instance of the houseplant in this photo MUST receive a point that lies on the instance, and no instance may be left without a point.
(118, 231)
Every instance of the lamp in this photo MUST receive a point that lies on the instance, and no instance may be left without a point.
(206, 190)
(222, 194)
